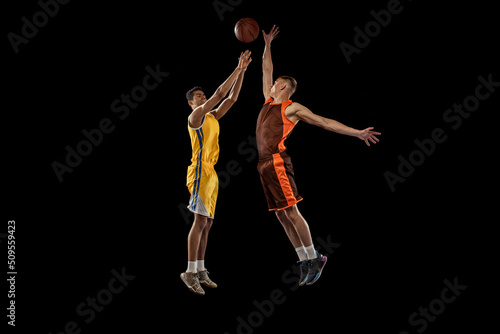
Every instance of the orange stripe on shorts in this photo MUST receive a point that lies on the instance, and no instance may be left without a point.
(279, 167)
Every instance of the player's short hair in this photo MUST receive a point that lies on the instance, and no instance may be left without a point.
(291, 83)
(190, 93)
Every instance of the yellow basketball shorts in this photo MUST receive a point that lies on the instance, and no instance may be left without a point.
(203, 184)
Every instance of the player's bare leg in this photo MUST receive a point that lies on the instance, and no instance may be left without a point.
(299, 223)
(290, 230)
(191, 277)
(294, 238)
(316, 261)
(204, 239)
(194, 237)
(202, 271)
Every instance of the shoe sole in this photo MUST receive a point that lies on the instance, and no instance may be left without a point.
(304, 281)
(191, 288)
(324, 259)
(209, 286)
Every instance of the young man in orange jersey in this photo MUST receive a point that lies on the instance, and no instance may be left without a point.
(277, 118)
(202, 181)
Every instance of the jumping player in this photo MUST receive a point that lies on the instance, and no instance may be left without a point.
(202, 181)
(276, 120)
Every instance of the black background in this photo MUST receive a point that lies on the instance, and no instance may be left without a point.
(122, 206)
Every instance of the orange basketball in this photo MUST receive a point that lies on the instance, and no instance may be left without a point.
(246, 30)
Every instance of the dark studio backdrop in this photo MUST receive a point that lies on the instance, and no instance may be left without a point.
(407, 223)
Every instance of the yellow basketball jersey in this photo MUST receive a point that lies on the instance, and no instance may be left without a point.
(205, 141)
(202, 180)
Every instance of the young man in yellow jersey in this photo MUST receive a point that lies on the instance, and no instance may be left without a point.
(202, 181)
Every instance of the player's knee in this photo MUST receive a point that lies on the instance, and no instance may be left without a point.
(280, 214)
(292, 213)
(284, 220)
(210, 221)
(200, 222)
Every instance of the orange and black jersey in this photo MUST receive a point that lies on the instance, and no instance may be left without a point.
(273, 128)
(275, 166)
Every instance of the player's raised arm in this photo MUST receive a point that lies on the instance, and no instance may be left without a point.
(197, 115)
(296, 112)
(267, 62)
(245, 60)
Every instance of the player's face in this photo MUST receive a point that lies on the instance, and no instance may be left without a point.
(275, 88)
(199, 98)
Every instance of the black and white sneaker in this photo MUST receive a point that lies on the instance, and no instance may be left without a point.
(315, 268)
(304, 271)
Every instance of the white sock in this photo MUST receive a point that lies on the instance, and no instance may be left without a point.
(200, 265)
(311, 252)
(301, 253)
(191, 267)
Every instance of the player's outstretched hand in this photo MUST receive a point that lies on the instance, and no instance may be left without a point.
(368, 135)
(244, 60)
(268, 38)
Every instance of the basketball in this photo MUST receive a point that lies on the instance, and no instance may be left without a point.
(246, 30)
